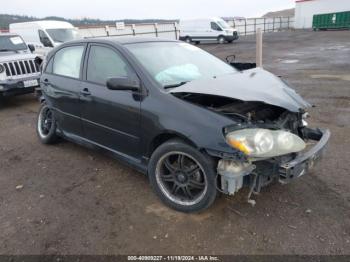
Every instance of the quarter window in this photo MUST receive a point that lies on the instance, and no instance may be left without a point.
(67, 61)
(104, 63)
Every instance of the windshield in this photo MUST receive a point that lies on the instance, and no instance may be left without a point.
(62, 35)
(12, 43)
(173, 63)
(223, 24)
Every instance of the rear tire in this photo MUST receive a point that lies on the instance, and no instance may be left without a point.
(46, 125)
(182, 177)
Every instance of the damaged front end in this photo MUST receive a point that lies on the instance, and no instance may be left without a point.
(256, 172)
(271, 143)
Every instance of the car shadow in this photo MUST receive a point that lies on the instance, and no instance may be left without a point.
(16, 101)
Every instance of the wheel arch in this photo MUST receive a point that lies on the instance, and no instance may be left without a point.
(164, 137)
(219, 36)
(42, 99)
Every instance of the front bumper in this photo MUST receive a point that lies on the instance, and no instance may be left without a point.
(232, 37)
(236, 174)
(16, 86)
(306, 160)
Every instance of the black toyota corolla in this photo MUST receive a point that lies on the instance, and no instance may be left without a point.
(191, 122)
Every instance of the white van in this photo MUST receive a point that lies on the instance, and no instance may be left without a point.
(45, 34)
(207, 29)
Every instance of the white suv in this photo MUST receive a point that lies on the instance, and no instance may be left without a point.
(19, 67)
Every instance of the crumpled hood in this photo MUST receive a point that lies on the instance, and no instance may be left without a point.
(12, 56)
(250, 85)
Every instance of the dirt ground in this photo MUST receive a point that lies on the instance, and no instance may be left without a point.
(78, 201)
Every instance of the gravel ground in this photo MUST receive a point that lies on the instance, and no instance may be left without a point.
(66, 199)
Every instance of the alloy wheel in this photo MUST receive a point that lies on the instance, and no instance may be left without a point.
(45, 122)
(181, 178)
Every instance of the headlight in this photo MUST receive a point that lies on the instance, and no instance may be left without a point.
(258, 142)
(2, 69)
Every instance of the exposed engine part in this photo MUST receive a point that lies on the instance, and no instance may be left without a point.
(232, 173)
(249, 112)
(263, 180)
(251, 189)
(243, 110)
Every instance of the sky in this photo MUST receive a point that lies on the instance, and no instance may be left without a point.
(138, 9)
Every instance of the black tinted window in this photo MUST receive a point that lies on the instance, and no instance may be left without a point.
(215, 27)
(44, 39)
(67, 61)
(12, 43)
(104, 63)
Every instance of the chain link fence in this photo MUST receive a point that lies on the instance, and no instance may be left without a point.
(247, 26)
(165, 30)
(171, 30)
(250, 25)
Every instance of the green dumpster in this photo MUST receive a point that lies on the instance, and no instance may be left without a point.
(340, 20)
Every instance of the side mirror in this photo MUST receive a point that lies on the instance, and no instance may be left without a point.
(31, 48)
(121, 83)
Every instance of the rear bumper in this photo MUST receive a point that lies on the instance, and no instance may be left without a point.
(305, 161)
(16, 86)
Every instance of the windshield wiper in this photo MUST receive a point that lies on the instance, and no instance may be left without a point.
(5, 50)
(175, 85)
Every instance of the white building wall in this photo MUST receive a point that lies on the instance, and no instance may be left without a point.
(306, 9)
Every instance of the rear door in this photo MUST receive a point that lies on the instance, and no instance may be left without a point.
(61, 83)
(111, 118)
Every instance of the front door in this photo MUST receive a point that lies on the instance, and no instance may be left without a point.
(111, 118)
(215, 31)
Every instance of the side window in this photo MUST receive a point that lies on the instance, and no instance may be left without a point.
(104, 63)
(44, 39)
(67, 61)
(215, 27)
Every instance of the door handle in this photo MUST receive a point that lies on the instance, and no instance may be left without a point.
(85, 92)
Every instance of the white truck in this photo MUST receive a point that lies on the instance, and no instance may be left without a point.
(207, 29)
(46, 34)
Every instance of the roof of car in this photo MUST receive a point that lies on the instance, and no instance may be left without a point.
(126, 39)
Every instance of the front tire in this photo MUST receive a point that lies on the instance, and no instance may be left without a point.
(188, 40)
(46, 125)
(221, 39)
(182, 177)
